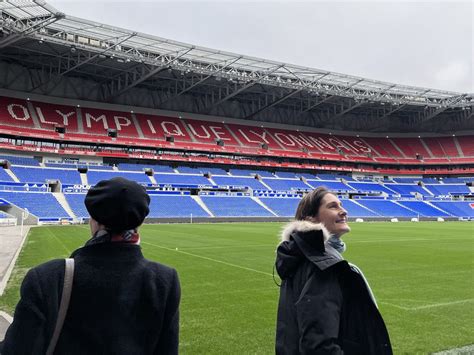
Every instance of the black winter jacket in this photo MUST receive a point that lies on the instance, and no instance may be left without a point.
(325, 305)
(121, 303)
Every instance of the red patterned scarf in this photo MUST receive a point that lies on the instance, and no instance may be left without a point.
(105, 236)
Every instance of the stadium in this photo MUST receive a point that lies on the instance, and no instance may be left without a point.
(226, 146)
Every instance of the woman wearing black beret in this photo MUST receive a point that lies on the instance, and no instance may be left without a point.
(121, 303)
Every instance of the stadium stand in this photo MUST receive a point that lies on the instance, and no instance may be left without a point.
(356, 210)
(408, 190)
(175, 206)
(16, 160)
(76, 203)
(200, 135)
(448, 189)
(285, 184)
(41, 204)
(411, 147)
(335, 186)
(246, 172)
(94, 176)
(456, 208)
(285, 174)
(387, 208)
(239, 181)
(181, 179)
(41, 175)
(368, 187)
(283, 207)
(225, 206)
(4, 175)
(423, 208)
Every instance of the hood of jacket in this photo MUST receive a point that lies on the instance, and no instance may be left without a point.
(304, 240)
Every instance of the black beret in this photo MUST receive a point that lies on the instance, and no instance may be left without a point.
(119, 204)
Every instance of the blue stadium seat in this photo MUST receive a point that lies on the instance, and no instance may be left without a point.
(38, 174)
(355, 210)
(335, 186)
(448, 189)
(175, 206)
(4, 176)
(286, 184)
(244, 172)
(387, 208)
(142, 167)
(181, 179)
(41, 204)
(16, 160)
(408, 189)
(285, 174)
(239, 181)
(226, 206)
(94, 176)
(369, 187)
(456, 208)
(283, 207)
(76, 202)
(423, 209)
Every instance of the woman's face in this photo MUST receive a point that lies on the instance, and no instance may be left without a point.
(333, 215)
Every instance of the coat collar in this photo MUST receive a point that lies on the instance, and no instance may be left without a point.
(303, 227)
(305, 240)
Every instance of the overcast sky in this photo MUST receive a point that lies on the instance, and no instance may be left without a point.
(422, 43)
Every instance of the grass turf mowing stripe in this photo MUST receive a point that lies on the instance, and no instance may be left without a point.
(210, 259)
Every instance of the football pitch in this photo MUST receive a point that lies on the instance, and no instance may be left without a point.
(422, 275)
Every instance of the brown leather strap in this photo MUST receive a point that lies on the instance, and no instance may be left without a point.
(65, 297)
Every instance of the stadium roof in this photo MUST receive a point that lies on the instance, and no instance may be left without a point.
(123, 62)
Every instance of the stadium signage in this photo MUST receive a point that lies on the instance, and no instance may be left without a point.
(184, 130)
(75, 188)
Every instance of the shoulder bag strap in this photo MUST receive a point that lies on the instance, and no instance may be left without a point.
(65, 297)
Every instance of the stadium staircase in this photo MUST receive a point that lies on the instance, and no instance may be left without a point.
(137, 126)
(439, 209)
(12, 175)
(397, 148)
(202, 204)
(408, 208)
(64, 204)
(264, 184)
(256, 199)
(84, 179)
(423, 186)
(458, 147)
(423, 143)
(365, 207)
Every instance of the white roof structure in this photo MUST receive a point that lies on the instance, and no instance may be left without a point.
(35, 18)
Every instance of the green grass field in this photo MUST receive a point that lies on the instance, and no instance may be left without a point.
(421, 273)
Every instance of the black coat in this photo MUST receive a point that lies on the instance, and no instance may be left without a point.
(121, 303)
(325, 305)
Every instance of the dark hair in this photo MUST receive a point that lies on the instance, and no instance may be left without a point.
(310, 203)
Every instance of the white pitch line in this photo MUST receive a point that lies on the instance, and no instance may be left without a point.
(428, 306)
(210, 259)
(229, 247)
(465, 350)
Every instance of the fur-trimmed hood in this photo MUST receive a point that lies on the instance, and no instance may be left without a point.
(303, 227)
(304, 240)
